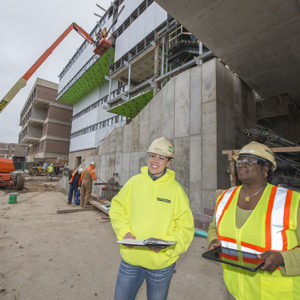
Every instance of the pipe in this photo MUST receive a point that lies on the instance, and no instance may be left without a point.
(201, 233)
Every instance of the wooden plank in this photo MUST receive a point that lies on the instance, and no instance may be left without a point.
(71, 210)
(100, 204)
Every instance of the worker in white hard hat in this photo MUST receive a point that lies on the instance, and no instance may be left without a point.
(262, 219)
(74, 181)
(151, 204)
(86, 181)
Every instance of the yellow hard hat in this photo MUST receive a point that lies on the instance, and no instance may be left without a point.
(257, 150)
(162, 146)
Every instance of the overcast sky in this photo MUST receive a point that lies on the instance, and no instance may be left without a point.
(27, 29)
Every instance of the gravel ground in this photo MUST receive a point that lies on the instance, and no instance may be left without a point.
(74, 256)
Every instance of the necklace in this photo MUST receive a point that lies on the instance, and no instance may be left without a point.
(248, 197)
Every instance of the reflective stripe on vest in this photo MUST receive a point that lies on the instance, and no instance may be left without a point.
(277, 220)
(72, 178)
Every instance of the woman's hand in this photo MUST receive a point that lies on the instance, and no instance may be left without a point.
(214, 244)
(128, 235)
(153, 248)
(272, 259)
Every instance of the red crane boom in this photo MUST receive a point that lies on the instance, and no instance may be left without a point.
(100, 48)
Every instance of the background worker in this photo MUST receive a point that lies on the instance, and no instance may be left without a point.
(50, 171)
(151, 204)
(74, 181)
(87, 177)
(260, 218)
(101, 35)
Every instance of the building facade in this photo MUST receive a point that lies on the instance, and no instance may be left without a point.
(46, 124)
(107, 91)
(14, 151)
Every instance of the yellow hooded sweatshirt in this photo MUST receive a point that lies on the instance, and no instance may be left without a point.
(158, 209)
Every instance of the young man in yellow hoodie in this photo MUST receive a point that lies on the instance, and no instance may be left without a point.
(151, 204)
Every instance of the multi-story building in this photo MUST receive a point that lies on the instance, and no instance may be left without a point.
(15, 151)
(108, 90)
(46, 123)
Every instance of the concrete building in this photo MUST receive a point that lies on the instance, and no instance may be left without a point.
(46, 123)
(109, 90)
(159, 80)
(202, 110)
(15, 151)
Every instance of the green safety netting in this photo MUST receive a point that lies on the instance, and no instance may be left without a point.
(132, 107)
(91, 79)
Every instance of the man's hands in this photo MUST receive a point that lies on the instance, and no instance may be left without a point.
(272, 259)
(214, 244)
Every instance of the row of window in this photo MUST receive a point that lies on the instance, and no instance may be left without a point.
(136, 50)
(90, 62)
(28, 103)
(99, 125)
(133, 16)
(101, 101)
(92, 106)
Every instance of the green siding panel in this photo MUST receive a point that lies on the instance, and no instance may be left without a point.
(91, 79)
(132, 107)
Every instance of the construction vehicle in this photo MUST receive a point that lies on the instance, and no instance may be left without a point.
(101, 46)
(37, 169)
(7, 178)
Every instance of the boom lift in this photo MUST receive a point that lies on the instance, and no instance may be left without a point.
(101, 46)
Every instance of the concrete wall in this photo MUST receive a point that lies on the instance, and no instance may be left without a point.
(201, 111)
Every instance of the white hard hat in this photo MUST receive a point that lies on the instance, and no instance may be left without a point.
(162, 146)
(257, 150)
(93, 163)
(80, 170)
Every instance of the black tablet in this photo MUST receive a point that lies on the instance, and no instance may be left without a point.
(240, 259)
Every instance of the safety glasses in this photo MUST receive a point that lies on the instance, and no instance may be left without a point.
(247, 162)
(157, 157)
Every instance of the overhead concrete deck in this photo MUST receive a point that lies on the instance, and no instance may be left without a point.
(142, 68)
(259, 40)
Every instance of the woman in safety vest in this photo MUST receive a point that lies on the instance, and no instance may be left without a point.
(151, 204)
(260, 218)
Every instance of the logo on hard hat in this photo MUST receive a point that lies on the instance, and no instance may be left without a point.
(170, 149)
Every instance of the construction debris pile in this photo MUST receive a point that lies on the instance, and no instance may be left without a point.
(288, 163)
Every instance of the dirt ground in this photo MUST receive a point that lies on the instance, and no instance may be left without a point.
(74, 256)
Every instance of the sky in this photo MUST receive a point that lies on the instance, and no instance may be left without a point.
(27, 29)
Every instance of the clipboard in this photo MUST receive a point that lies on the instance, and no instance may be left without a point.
(236, 258)
(150, 242)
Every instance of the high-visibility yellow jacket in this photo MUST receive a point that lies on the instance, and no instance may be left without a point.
(158, 209)
(271, 226)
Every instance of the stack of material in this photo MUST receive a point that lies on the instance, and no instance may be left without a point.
(288, 163)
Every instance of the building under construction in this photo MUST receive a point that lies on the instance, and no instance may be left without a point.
(159, 79)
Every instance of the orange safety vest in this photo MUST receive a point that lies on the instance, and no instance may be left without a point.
(271, 226)
(72, 177)
(92, 174)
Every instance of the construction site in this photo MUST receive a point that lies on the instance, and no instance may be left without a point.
(211, 76)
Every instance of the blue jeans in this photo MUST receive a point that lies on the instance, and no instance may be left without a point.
(130, 279)
(73, 189)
